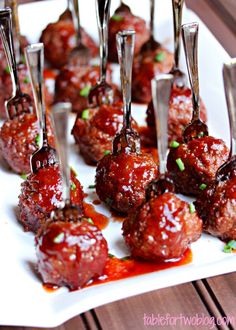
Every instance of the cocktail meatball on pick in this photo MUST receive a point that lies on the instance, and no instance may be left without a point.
(42, 190)
(70, 250)
(163, 227)
(152, 60)
(123, 19)
(59, 40)
(121, 177)
(96, 127)
(19, 134)
(217, 205)
(192, 165)
(180, 107)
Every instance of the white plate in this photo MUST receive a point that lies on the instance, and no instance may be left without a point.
(23, 301)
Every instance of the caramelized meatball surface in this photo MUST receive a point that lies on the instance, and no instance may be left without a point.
(41, 193)
(70, 254)
(6, 88)
(193, 166)
(161, 228)
(125, 20)
(59, 40)
(94, 132)
(146, 66)
(73, 84)
(121, 179)
(19, 139)
(180, 114)
(217, 207)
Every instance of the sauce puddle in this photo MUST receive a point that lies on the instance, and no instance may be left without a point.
(99, 219)
(118, 269)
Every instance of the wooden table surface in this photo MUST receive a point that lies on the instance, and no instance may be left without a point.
(212, 298)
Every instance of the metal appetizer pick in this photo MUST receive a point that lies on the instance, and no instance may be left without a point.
(151, 44)
(179, 76)
(161, 90)
(127, 140)
(16, 27)
(196, 128)
(19, 102)
(229, 75)
(68, 212)
(80, 55)
(102, 92)
(45, 155)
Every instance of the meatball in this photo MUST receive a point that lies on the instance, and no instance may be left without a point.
(193, 166)
(70, 254)
(95, 130)
(41, 193)
(59, 40)
(74, 83)
(180, 114)
(121, 179)
(19, 139)
(125, 20)
(6, 87)
(217, 208)
(162, 228)
(146, 66)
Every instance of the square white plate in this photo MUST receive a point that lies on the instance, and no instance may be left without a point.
(23, 301)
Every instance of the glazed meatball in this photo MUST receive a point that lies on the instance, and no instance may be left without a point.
(193, 166)
(59, 40)
(41, 193)
(6, 87)
(71, 254)
(121, 179)
(180, 114)
(217, 207)
(19, 139)
(125, 20)
(161, 228)
(95, 130)
(74, 83)
(146, 66)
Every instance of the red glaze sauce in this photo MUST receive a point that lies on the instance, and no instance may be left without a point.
(50, 74)
(100, 220)
(96, 202)
(118, 269)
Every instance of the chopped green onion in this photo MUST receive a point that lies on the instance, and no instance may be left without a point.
(125, 258)
(107, 152)
(203, 186)
(85, 91)
(73, 171)
(111, 255)
(23, 176)
(26, 80)
(192, 208)
(230, 246)
(160, 57)
(117, 18)
(7, 69)
(72, 186)
(174, 144)
(37, 140)
(59, 238)
(180, 164)
(90, 221)
(23, 59)
(85, 114)
(92, 186)
(201, 134)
